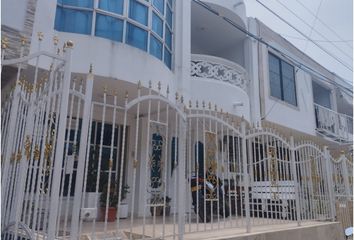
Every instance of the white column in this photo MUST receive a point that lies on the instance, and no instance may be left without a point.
(182, 47)
(59, 149)
(84, 146)
(182, 181)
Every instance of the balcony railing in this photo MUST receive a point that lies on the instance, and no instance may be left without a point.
(220, 69)
(334, 125)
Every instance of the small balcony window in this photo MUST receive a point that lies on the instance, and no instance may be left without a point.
(282, 80)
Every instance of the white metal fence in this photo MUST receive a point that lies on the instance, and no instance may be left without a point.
(149, 166)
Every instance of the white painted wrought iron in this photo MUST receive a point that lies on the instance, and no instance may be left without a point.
(315, 191)
(79, 164)
(342, 177)
(333, 124)
(219, 69)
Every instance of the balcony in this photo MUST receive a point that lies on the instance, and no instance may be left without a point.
(336, 126)
(219, 69)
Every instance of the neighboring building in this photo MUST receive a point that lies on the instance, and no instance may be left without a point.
(182, 44)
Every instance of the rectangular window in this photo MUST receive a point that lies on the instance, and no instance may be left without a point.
(115, 6)
(282, 80)
(74, 21)
(136, 37)
(109, 27)
(155, 47)
(157, 24)
(321, 95)
(138, 12)
(159, 5)
(78, 3)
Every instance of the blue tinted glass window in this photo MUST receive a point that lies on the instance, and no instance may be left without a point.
(75, 21)
(79, 3)
(138, 12)
(168, 38)
(136, 37)
(155, 47)
(159, 5)
(274, 77)
(168, 58)
(288, 77)
(115, 6)
(170, 2)
(169, 16)
(109, 27)
(157, 24)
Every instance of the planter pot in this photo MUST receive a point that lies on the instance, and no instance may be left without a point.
(112, 213)
(123, 210)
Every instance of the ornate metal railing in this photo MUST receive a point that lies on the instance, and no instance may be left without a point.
(336, 125)
(220, 69)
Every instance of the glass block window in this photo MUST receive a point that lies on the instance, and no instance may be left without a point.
(144, 24)
(74, 21)
(157, 24)
(168, 58)
(282, 80)
(137, 37)
(155, 47)
(159, 5)
(109, 27)
(138, 12)
(115, 6)
(78, 3)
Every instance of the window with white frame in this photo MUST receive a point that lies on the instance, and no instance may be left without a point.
(282, 80)
(144, 24)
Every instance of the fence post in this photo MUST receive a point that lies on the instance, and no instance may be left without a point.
(332, 201)
(84, 146)
(345, 176)
(182, 182)
(245, 176)
(296, 183)
(59, 148)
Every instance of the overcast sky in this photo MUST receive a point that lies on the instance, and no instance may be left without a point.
(336, 14)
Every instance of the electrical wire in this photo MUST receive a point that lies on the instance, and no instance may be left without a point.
(314, 30)
(259, 39)
(316, 40)
(324, 24)
(304, 35)
(314, 22)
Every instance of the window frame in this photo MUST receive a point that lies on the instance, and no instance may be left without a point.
(151, 9)
(282, 100)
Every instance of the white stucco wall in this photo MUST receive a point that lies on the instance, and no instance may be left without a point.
(224, 95)
(300, 117)
(13, 13)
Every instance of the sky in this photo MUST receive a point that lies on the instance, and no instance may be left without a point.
(333, 28)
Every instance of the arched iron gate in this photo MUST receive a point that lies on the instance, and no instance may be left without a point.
(73, 161)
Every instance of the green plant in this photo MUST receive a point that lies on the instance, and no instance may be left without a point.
(113, 195)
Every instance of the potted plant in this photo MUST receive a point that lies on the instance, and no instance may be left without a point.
(123, 207)
(158, 201)
(113, 201)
